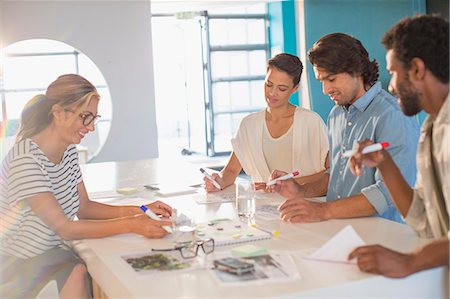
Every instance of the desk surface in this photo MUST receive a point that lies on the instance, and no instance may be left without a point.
(319, 279)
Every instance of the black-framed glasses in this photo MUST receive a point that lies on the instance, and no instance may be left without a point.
(189, 250)
(87, 117)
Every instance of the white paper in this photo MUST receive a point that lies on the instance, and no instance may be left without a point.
(226, 195)
(269, 211)
(175, 189)
(339, 247)
(130, 201)
(104, 196)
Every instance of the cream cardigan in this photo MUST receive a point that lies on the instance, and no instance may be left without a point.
(309, 146)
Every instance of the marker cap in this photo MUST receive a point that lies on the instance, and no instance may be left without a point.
(385, 144)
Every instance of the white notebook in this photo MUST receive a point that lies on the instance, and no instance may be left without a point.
(229, 232)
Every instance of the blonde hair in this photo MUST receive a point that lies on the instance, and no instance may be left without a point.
(68, 91)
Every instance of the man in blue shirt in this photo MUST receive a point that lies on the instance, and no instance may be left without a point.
(363, 111)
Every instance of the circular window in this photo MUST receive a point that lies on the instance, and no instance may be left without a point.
(29, 67)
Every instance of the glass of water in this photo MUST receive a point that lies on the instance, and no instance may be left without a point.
(245, 199)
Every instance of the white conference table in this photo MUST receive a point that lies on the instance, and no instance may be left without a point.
(318, 279)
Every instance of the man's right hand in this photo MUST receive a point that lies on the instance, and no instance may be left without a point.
(359, 159)
(287, 188)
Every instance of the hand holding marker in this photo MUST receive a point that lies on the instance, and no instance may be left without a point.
(282, 178)
(368, 149)
(209, 177)
(153, 216)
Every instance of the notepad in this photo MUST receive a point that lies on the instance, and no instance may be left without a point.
(248, 250)
(229, 232)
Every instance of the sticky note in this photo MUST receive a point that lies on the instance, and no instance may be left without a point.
(248, 250)
(127, 190)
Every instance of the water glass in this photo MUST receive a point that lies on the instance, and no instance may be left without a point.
(245, 199)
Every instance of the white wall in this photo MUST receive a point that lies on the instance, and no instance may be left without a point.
(116, 35)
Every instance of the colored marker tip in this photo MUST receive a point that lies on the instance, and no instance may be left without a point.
(385, 144)
(295, 173)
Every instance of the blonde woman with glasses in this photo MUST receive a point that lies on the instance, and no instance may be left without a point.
(42, 190)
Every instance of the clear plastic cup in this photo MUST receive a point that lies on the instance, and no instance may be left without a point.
(245, 199)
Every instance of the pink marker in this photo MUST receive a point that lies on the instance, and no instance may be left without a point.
(368, 149)
(282, 178)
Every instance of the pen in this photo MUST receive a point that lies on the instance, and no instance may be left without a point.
(368, 149)
(207, 175)
(282, 178)
(153, 216)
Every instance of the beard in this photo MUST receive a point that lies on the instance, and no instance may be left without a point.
(409, 98)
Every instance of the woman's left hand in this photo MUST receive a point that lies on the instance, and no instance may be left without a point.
(160, 208)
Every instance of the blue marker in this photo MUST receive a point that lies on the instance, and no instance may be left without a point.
(153, 216)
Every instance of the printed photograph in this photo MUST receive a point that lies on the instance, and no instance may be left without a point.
(157, 262)
(266, 268)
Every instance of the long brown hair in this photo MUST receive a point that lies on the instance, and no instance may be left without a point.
(68, 91)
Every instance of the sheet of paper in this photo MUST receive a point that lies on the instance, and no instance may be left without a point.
(165, 190)
(226, 195)
(130, 201)
(268, 211)
(339, 247)
(105, 196)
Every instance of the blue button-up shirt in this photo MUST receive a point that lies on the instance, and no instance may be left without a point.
(378, 117)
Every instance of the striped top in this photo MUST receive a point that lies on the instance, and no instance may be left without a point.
(25, 172)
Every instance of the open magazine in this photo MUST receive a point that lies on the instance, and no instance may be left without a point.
(154, 262)
(270, 267)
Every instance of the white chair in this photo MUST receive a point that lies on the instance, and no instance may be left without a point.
(50, 291)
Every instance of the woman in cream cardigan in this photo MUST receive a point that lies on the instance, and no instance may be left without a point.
(282, 136)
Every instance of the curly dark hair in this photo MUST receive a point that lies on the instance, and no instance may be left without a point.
(342, 53)
(425, 37)
(289, 64)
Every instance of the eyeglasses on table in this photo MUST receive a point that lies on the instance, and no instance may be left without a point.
(189, 250)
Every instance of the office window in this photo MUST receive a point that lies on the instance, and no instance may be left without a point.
(237, 31)
(208, 75)
(28, 67)
(237, 63)
(238, 53)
